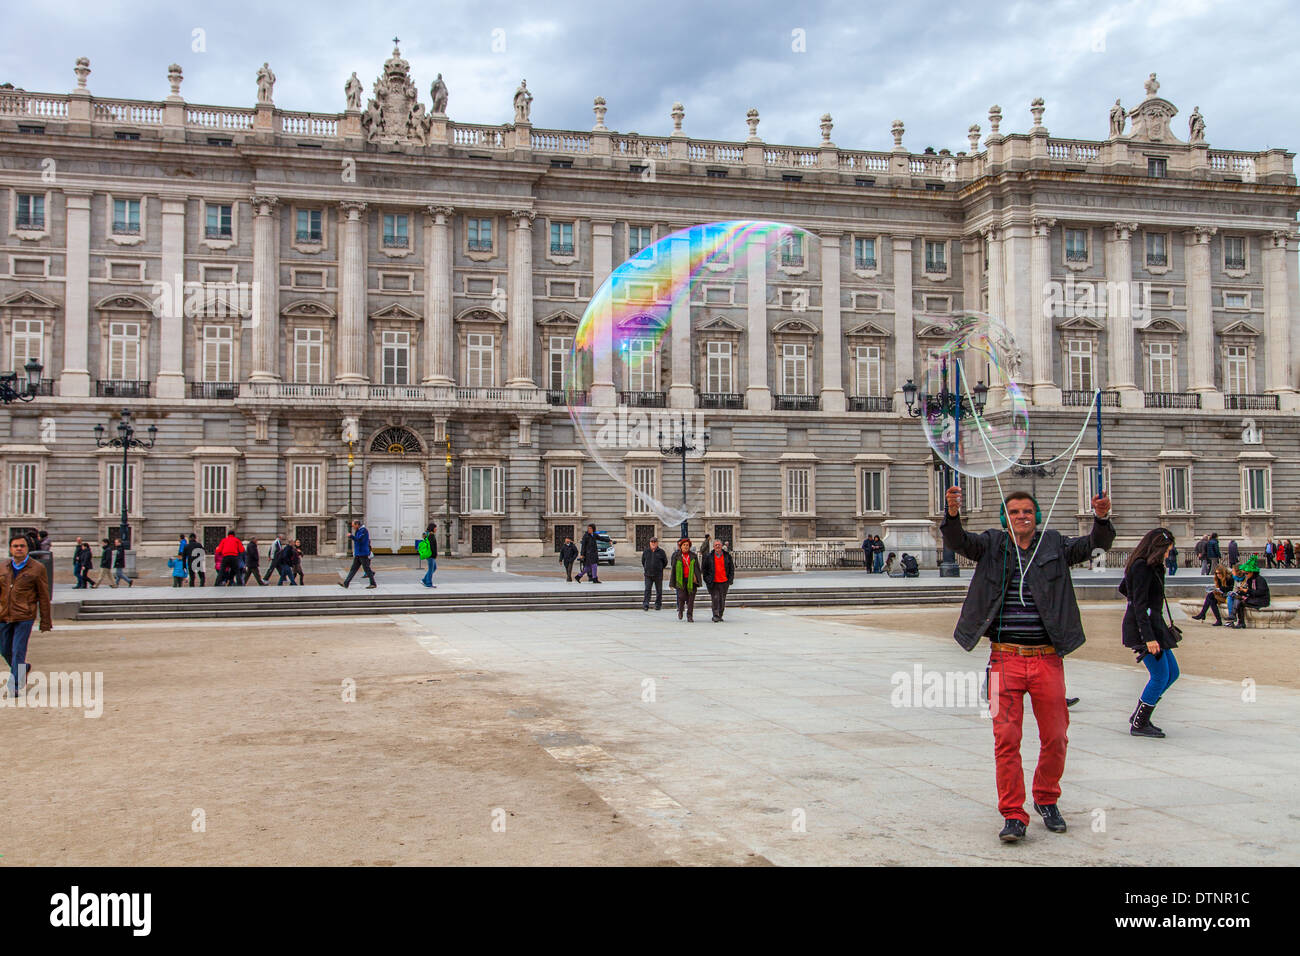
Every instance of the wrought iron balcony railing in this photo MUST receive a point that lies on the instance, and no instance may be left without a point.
(308, 235)
(1252, 403)
(936, 267)
(121, 388)
(644, 399)
(1084, 398)
(395, 242)
(480, 245)
(125, 228)
(1171, 400)
(217, 232)
(871, 403)
(1076, 255)
(560, 396)
(215, 390)
(561, 248)
(864, 262)
(29, 222)
(721, 400)
(1157, 259)
(797, 403)
(1234, 263)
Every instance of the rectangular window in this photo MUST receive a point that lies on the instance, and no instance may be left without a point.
(31, 211)
(970, 491)
(395, 231)
(936, 256)
(396, 358)
(218, 353)
(1157, 255)
(478, 233)
(562, 238)
(309, 355)
(866, 367)
(306, 489)
(220, 222)
(214, 495)
(28, 343)
(798, 485)
(309, 225)
(873, 491)
(1257, 493)
(1076, 245)
(1236, 369)
(126, 217)
(1160, 367)
(486, 490)
(22, 488)
(564, 489)
(1177, 488)
(792, 249)
(1236, 300)
(638, 238)
(794, 369)
(1078, 357)
(722, 491)
(1234, 252)
(113, 491)
(124, 351)
(642, 365)
(718, 368)
(1157, 167)
(643, 489)
(480, 368)
(561, 353)
(864, 253)
(1089, 487)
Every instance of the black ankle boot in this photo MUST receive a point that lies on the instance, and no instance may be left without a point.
(1140, 723)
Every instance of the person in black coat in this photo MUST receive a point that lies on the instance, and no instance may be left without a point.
(283, 563)
(1253, 592)
(590, 556)
(1145, 630)
(82, 562)
(568, 554)
(105, 562)
(719, 571)
(252, 559)
(654, 560)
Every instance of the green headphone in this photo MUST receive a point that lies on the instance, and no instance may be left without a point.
(1038, 512)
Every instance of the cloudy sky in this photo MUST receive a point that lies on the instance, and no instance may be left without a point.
(937, 66)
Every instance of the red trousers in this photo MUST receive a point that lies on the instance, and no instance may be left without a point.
(1011, 676)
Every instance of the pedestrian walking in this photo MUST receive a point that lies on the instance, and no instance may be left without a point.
(119, 564)
(654, 560)
(297, 564)
(24, 592)
(1268, 553)
(1251, 593)
(428, 551)
(282, 562)
(568, 554)
(82, 561)
(1233, 553)
(1213, 553)
(1290, 553)
(195, 562)
(719, 571)
(1144, 629)
(1022, 598)
(1171, 562)
(252, 562)
(878, 554)
(105, 563)
(176, 565)
(227, 559)
(272, 551)
(1202, 544)
(590, 554)
(360, 538)
(866, 553)
(686, 579)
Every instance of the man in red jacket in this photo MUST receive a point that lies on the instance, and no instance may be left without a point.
(227, 557)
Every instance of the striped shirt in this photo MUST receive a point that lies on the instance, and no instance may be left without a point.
(1018, 622)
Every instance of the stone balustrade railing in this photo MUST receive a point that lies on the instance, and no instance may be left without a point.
(432, 394)
(174, 116)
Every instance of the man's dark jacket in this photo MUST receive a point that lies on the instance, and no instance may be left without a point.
(590, 553)
(568, 552)
(708, 567)
(1048, 576)
(653, 562)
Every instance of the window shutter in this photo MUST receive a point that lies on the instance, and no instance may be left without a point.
(499, 490)
(464, 489)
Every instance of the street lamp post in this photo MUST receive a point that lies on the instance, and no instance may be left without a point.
(125, 440)
(666, 447)
(1033, 470)
(944, 405)
(10, 391)
(351, 464)
(446, 531)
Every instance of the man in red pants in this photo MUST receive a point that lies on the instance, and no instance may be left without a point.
(1022, 598)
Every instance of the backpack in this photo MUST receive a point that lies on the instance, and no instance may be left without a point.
(909, 565)
(424, 549)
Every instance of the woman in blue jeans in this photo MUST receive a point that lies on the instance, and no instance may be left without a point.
(1144, 628)
(431, 535)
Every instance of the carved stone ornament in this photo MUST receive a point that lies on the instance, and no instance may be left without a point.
(353, 90)
(395, 113)
(438, 96)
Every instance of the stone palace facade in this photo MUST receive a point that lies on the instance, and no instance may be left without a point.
(264, 285)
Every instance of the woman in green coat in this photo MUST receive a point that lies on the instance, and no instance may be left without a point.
(686, 578)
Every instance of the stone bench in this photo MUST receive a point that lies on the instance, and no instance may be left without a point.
(1275, 615)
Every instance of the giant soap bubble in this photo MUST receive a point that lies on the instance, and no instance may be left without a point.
(977, 444)
(683, 302)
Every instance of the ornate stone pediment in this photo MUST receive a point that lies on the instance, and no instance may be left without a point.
(26, 299)
(559, 318)
(1165, 326)
(794, 327)
(395, 113)
(869, 329)
(309, 308)
(1150, 120)
(719, 323)
(944, 332)
(642, 322)
(1081, 323)
(1240, 327)
(480, 315)
(395, 311)
(124, 301)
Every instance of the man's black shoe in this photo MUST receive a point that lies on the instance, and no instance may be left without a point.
(1052, 818)
(1071, 701)
(1013, 832)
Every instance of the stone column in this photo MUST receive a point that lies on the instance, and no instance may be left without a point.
(1017, 298)
(352, 295)
(832, 331)
(603, 391)
(521, 302)
(682, 392)
(997, 305)
(1042, 333)
(1119, 321)
(75, 378)
(972, 257)
(758, 394)
(1277, 331)
(904, 336)
(438, 335)
(1200, 318)
(266, 285)
(171, 371)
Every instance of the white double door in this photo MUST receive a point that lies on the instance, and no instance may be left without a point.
(395, 506)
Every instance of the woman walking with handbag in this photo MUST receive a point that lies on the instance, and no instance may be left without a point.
(1145, 629)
